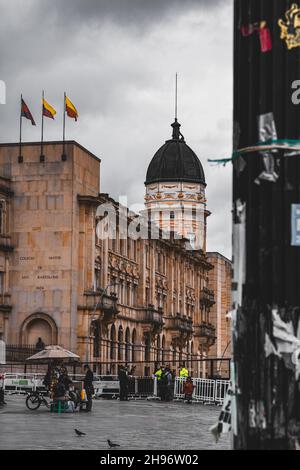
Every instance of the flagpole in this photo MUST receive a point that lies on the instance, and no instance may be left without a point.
(64, 157)
(20, 158)
(42, 157)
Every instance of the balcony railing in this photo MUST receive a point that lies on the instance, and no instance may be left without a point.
(17, 353)
(180, 323)
(5, 302)
(5, 243)
(205, 330)
(207, 297)
(151, 315)
(103, 304)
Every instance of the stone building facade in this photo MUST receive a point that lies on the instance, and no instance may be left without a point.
(109, 299)
(220, 282)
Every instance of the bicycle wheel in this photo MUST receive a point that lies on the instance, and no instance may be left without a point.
(33, 402)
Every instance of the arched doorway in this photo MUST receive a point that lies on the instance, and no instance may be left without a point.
(38, 325)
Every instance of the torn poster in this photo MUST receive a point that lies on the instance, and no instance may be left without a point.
(264, 34)
(295, 225)
(257, 415)
(287, 343)
(239, 255)
(267, 132)
(223, 424)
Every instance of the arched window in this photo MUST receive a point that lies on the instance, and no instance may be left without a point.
(163, 347)
(134, 346)
(113, 342)
(127, 345)
(158, 355)
(96, 331)
(147, 346)
(120, 344)
(174, 356)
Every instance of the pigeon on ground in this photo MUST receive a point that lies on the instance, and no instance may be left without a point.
(79, 433)
(111, 444)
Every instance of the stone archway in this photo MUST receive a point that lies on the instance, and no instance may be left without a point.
(38, 325)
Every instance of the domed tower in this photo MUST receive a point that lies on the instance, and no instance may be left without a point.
(175, 191)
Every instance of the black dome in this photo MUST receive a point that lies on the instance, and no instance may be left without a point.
(175, 161)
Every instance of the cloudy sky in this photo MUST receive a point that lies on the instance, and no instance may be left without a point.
(117, 61)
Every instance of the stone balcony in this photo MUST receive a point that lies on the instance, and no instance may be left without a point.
(102, 304)
(207, 297)
(151, 319)
(5, 303)
(151, 315)
(5, 243)
(207, 331)
(181, 329)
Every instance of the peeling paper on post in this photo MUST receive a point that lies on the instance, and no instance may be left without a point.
(287, 342)
(266, 132)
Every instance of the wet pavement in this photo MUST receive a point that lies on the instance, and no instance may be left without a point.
(137, 424)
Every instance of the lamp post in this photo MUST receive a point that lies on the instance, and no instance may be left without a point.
(93, 318)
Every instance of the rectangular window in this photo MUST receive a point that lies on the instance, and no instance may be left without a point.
(2, 217)
(1, 284)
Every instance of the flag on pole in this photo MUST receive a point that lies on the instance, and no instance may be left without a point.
(70, 109)
(25, 112)
(48, 110)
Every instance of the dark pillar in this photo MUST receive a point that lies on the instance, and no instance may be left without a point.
(266, 265)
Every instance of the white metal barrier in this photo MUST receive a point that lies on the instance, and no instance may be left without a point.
(221, 390)
(22, 383)
(206, 391)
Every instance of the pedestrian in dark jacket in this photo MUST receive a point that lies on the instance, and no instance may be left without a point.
(2, 400)
(88, 386)
(123, 379)
(167, 384)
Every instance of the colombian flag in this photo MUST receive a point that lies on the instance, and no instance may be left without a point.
(25, 112)
(71, 110)
(48, 111)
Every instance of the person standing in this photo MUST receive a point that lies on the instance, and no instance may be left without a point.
(2, 400)
(123, 379)
(88, 386)
(183, 372)
(169, 384)
(158, 374)
(188, 389)
(40, 345)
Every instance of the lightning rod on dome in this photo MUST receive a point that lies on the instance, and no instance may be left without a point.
(176, 95)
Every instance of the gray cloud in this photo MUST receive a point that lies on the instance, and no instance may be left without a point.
(117, 61)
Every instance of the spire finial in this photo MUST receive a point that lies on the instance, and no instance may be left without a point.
(176, 126)
(176, 95)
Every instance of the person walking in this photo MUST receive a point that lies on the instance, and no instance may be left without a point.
(88, 386)
(188, 390)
